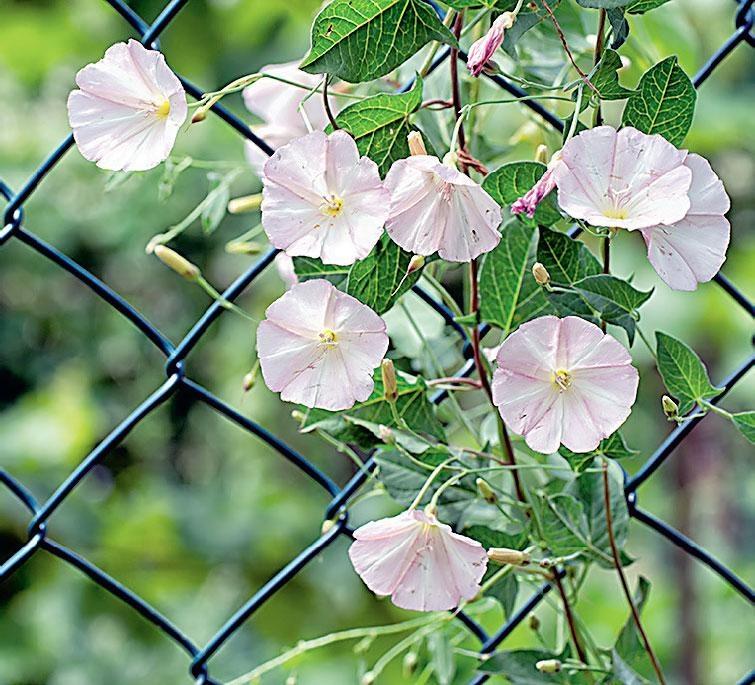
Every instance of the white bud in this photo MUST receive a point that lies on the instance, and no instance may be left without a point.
(182, 266)
(542, 277)
(416, 143)
(504, 555)
(548, 666)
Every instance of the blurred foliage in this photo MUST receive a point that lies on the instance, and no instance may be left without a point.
(193, 513)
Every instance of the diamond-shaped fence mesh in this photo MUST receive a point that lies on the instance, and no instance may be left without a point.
(199, 656)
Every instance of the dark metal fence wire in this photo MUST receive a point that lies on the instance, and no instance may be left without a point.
(41, 512)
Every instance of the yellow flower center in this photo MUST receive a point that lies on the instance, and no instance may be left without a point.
(163, 110)
(562, 379)
(332, 205)
(617, 213)
(328, 338)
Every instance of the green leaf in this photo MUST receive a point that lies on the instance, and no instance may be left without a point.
(380, 125)
(403, 478)
(509, 182)
(378, 279)
(612, 447)
(642, 6)
(567, 261)
(606, 78)
(614, 299)
(589, 489)
(745, 421)
(509, 294)
(307, 268)
(684, 375)
(413, 405)
(490, 537)
(442, 657)
(361, 40)
(619, 26)
(505, 591)
(622, 673)
(664, 102)
(564, 524)
(629, 645)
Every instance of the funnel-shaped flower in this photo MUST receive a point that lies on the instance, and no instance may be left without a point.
(277, 104)
(623, 179)
(321, 199)
(419, 561)
(129, 108)
(319, 347)
(563, 381)
(692, 250)
(436, 208)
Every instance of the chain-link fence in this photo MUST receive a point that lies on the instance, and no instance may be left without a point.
(178, 381)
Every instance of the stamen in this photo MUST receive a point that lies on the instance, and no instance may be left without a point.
(562, 379)
(163, 110)
(332, 205)
(328, 338)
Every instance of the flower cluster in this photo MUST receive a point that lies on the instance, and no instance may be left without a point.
(560, 382)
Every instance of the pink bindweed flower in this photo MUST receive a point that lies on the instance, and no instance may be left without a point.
(419, 561)
(319, 347)
(277, 104)
(623, 179)
(484, 48)
(436, 208)
(128, 109)
(320, 199)
(563, 381)
(692, 250)
(527, 204)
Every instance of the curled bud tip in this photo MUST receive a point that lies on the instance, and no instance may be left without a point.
(486, 492)
(182, 266)
(390, 386)
(548, 666)
(541, 154)
(534, 622)
(199, 115)
(542, 277)
(504, 555)
(247, 203)
(415, 264)
(670, 408)
(416, 143)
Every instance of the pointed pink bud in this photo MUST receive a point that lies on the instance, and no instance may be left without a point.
(484, 48)
(527, 204)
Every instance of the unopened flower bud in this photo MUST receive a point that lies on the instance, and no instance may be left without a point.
(247, 203)
(670, 408)
(182, 266)
(542, 277)
(415, 264)
(327, 526)
(297, 416)
(504, 555)
(409, 665)
(390, 386)
(368, 678)
(548, 666)
(486, 492)
(386, 434)
(450, 159)
(291, 680)
(199, 115)
(248, 382)
(243, 247)
(416, 143)
(541, 154)
(534, 623)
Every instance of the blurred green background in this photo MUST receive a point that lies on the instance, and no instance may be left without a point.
(194, 514)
